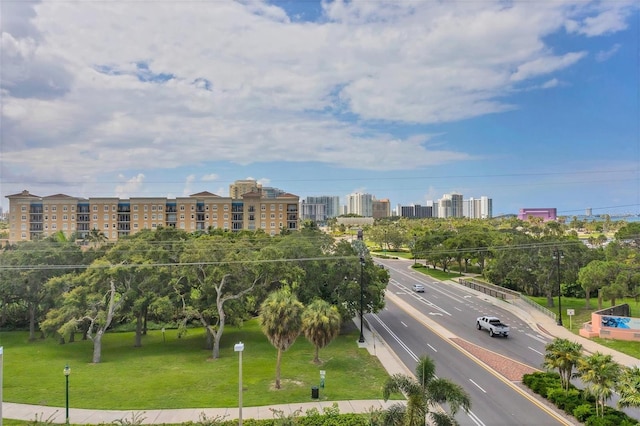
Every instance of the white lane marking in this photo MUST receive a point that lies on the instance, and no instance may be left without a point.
(455, 307)
(404, 324)
(538, 352)
(479, 387)
(435, 314)
(432, 348)
(471, 415)
(536, 338)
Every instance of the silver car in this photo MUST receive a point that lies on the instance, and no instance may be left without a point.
(418, 288)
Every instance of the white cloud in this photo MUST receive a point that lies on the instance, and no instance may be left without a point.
(188, 190)
(114, 84)
(546, 65)
(210, 177)
(603, 55)
(130, 187)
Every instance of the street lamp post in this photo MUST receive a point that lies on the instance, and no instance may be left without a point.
(557, 255)
(239, 347)
(66, 372)
(361, 339)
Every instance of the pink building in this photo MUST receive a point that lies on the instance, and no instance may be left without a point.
(546, 214)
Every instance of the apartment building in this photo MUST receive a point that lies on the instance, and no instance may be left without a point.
(33, 217)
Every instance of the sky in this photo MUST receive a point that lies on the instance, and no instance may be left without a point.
(532, 103)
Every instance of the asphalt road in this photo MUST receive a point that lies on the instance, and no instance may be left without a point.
(456, 310)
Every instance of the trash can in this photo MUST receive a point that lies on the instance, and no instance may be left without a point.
(315, 394)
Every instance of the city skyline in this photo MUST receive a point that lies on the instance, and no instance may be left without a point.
(534, 104)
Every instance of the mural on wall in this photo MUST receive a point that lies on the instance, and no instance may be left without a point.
(621, 322)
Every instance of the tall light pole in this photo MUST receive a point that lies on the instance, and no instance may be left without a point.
(66, 372)
(557, 255)
(361, 339)
(239, 347)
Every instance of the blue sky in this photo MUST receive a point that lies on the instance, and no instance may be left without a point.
(533, 104)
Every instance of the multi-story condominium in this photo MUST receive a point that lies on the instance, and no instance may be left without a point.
(331, 204)
(416, 211)
(451, 205)
(240, 187)
(380, 208)
(315, 212)
(360, 204)
(481, 208)
(33, 217)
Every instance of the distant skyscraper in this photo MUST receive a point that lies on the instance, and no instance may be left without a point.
(331, 203)
(451, 205)
(360, 204)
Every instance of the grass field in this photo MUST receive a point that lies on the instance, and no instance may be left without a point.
(583, 314)
(179, 373)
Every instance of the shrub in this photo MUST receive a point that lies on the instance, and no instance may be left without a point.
(542, 382)
(583, 412)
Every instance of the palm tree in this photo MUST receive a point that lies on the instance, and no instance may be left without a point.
(563, 355)
(422, 393)
(599, 372)
(96, 237)
(281, 322)
(628, 387)
(320, 324)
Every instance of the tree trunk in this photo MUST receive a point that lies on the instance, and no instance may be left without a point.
(218, 335)
(97, 347)
(316, 358)
(138, 338)
(32, 321)
(278, 368)
(145, 314)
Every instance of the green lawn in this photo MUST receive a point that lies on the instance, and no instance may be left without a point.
(179, 373)
(583, 314)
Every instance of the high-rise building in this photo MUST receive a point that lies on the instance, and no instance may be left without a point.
(451, 205)
(381, 208)
(331, 203)
(33, 217)
(316, 212)
(481, 208)
(360, 204)
(240, 187)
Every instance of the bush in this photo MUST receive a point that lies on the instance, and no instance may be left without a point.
(542, 382)
(583, 412)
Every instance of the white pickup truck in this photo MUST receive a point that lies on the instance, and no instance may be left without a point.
(494, 325)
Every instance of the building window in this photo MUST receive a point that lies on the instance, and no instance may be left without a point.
(226, 207)
(54, 217)
(160, 208)
(24, 208)
(106, 208)
(64, 226)
(65, 208)
(73, 208)
(273, 215)
(135, 207)
(160, 216)
(113, 208)
(153, 216)
(65, 217)
(153, 209)
(263, 225)
(263, 208)
(273, 207)
(135, 216)
(25, 217)
(113, 217)
(135, 226)
(181, 207)
(95, 217)
(146, 217)
(273, 224)
(226, 216)
(263, 215)
(215, 216)
(146, 208)
(181, 217)
(214, 207)
(106, 226)
(105, 217)
(73, 217)
(95, 208)
(53, 208)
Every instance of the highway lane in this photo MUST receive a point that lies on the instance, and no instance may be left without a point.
(494, 400)
(457, 309)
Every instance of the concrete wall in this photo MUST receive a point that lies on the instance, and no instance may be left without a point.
(598, 327)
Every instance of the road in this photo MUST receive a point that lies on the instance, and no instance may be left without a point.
(454, 309)
(451, 312)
